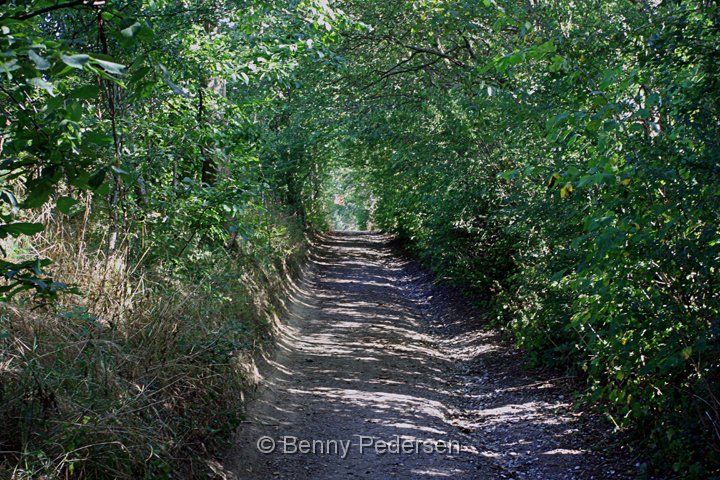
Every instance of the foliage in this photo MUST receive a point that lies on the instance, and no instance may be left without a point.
(350, 205)
(561, 159)
(135, 143)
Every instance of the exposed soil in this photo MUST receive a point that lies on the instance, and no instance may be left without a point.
(371, 351)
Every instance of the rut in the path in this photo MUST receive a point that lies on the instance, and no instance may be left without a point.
(363, 385)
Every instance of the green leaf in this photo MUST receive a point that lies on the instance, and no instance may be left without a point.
(22, 228)
(508, 175)
(74, 111)
(65, 204)
(653, 99)
(9, 197)
(596, 179)
(40, 62)
(38, 195)
(119, 170)
(139, 74)
(86, 92)
(97, 179)
(76, 61)
(43, 84)
(98, 138)
(110, 67)
(557, 63)
(175, 88)
(80, 180)
(130, 31)
(547, 47)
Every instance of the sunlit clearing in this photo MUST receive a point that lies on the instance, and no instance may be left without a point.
(348, 200)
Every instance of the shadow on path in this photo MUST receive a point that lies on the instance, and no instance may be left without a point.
(357, 363)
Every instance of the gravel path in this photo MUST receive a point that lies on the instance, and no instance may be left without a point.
(377, 375)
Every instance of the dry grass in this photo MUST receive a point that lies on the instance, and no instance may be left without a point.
(144, 374)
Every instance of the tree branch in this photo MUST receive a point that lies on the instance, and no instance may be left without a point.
(468, 46)
(395, 71)
(438, 53)
(43, 11)
(399, 64)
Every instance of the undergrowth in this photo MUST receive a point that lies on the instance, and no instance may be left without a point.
(143, 375)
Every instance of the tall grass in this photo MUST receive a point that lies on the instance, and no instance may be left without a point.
(145, 373)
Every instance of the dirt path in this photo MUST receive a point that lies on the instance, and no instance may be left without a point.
(371, 356)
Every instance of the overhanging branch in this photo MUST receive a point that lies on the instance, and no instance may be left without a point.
(438, 53)
(52, 8)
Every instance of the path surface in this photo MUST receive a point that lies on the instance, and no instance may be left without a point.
(369, 355)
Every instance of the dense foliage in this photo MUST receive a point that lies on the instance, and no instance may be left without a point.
(146, 229)
(560, 158)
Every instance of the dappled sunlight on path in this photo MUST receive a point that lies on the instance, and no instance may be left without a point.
(359, 362)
